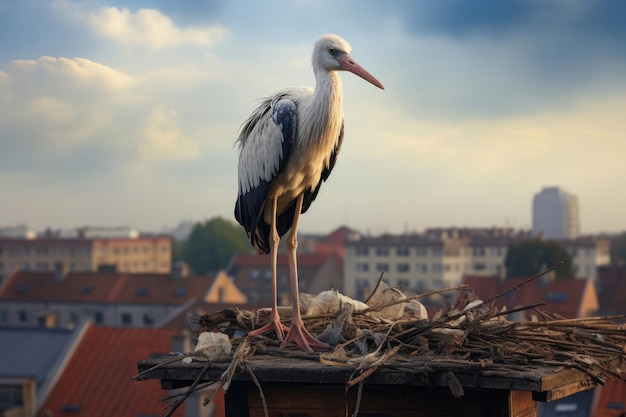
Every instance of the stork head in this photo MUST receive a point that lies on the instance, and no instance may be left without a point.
(332, 53)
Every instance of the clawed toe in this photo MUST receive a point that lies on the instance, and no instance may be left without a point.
(304, 339)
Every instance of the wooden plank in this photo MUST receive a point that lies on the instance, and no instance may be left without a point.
(561, 392)
(322, 400)
(548, 383)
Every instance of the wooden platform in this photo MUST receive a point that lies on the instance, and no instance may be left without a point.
(302, 387)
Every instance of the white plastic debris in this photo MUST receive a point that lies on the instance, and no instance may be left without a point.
(211, 346)
(385, 295)
(329, 301)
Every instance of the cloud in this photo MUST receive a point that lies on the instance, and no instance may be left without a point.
(163, 138)
(144, 27)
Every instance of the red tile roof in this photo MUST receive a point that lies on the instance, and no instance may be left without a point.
(97, 379)
(612, 289)
(252, 274)
(562, 296)
(104, 287)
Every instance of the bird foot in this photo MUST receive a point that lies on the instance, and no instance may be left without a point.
(298, 334)
(273, 325)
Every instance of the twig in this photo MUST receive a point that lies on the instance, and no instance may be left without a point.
(515, 287)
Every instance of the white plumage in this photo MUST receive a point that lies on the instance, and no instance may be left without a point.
(288, 147)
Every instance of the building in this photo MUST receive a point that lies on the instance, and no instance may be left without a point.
(588, 253)
(30, 359)
(567, 297)
(418, 262)
(86, 251)
(555, 214)
(87, 371)
(48, 299)
(441, 257)
(252, 274)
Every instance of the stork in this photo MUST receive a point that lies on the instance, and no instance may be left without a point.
(287, 147)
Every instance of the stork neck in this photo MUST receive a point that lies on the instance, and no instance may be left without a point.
(328, 96)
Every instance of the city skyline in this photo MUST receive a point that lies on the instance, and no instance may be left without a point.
(125, 113)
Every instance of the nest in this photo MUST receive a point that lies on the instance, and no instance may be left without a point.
(471, 334)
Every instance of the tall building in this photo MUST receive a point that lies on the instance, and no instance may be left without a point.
(555, 214)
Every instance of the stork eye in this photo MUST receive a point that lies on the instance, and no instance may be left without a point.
(331, 51)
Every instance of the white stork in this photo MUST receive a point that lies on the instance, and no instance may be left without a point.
(288, 146)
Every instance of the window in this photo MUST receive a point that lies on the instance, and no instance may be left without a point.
(98, 317)
(479, 251)
(362, 282)
(403, 251)
(22, 316)
(404, 284)
(361, 251)
(436, 267)
(127, 319)
(148, 320)
(382, 251)
(422, 267)
(421, 251)
(362, 267)
(4, 316)
(403, 267)
(382, 267)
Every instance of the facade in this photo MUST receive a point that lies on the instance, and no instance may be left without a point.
(435, 259)
(441, 257)
(555, 214)
(588, 255)
(138, 254)
(47, 299)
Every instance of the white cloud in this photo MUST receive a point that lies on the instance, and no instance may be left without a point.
(60, 103)
(164, 139)
(71, 73)
(148, 26)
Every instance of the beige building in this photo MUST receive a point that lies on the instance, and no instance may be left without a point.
(124, 254)
(418, 262)
(441, 257)
(588, 254)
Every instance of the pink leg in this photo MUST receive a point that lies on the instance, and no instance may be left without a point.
(274, 323)
(297, 333)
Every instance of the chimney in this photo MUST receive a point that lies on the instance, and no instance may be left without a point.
(546, 278)
(180, 270)
(60, 270)
(501, 270)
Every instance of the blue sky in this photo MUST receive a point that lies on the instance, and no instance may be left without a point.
(126, 112)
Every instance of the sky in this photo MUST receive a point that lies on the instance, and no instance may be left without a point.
(126, 112)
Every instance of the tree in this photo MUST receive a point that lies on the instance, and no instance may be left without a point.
(527, 258)
(212, 243)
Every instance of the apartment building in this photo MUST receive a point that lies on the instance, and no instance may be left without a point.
(556, 214)
(85, 250)
(588, 253)
(441, 257)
